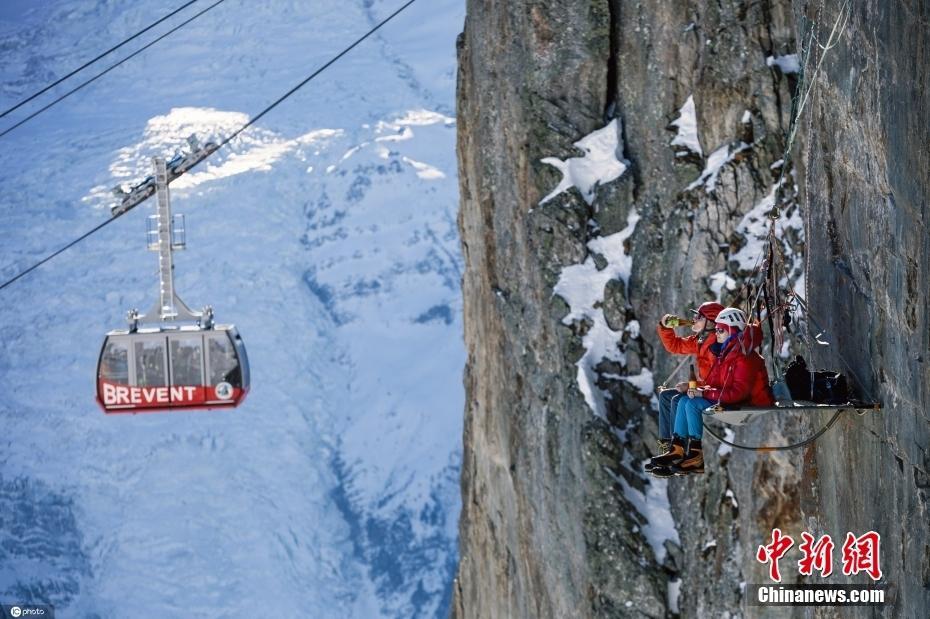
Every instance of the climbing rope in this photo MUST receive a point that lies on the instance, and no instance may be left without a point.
(807, 198)
(806, 441)
(798, 106)
(681, 364)
(770, 264)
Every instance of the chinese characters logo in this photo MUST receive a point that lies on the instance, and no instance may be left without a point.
(859, 554)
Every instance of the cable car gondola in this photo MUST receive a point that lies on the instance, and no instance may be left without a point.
(158, 369)
(170, 358)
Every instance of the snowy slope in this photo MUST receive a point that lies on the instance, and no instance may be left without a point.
(327, 234)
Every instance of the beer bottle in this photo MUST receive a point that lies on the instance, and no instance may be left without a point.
(675, 321)
(692, 379)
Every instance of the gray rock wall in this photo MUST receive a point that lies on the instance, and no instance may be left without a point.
(869, 182)
(534, 498)
(547, 529)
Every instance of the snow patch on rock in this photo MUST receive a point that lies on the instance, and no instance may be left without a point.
(643, 382)
(674, 592)
(653, 505)
(255, 150)
(582, 287)
(755, 227)
(725, 449)
(788, 63)
(719, 158)
(718, 281)
(424, 170)
(600, 164)
(686, 123)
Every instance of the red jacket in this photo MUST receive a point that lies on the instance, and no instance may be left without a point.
(739, 378)
(690, 346)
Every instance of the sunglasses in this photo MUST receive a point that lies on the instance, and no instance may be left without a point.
(719, 330)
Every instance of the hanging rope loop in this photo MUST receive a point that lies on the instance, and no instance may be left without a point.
(798, 445)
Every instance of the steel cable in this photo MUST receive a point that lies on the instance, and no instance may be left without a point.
(108, 69)
(93, 60)
(225, 141)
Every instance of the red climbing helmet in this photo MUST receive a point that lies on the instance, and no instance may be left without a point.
(709, 310)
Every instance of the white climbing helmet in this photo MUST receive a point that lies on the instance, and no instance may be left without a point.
(732, 317)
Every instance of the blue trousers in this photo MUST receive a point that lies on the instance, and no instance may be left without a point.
(688, 417)
(668, 402)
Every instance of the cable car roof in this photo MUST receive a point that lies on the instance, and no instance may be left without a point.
(168, 328)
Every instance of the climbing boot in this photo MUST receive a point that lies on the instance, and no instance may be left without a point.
(676, 452)
(664, 444)
(661, 472)
(693, 462)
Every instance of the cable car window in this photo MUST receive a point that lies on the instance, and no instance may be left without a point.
(186, 361)
(114, 363)
(224, 366)
(150, 363)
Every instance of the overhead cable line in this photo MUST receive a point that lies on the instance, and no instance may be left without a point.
(62, 250)
(332, 60)
(110, 68)
(92, 61)
(223, 142)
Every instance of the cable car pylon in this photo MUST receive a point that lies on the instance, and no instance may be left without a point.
(166, 234)
(171, 357)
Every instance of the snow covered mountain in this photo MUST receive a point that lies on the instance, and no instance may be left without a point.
(326, 234)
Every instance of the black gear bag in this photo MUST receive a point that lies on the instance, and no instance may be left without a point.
(821, 386)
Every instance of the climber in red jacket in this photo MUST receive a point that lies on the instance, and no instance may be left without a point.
(738, 376)
(743, 377)
(698, 344)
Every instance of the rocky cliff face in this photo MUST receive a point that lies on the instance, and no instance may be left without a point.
(557, 521)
